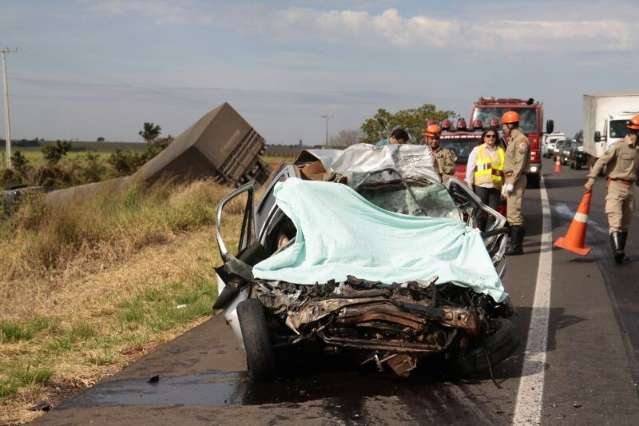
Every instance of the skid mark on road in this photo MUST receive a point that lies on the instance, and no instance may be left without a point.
(531, 385)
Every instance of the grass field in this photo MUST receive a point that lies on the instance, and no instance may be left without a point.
(87, 290)
(103, 149)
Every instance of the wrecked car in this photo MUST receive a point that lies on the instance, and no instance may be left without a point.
(365, 252)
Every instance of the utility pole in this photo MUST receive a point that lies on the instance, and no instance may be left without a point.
(7, 114)
(326, 117)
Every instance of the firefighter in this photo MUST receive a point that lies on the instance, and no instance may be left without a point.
(444, 157)
(622, 160)
(515, 165)
(485, 171)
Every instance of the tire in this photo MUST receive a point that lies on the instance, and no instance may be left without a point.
(572, 165)
(260, 358)
(499, 346)
(577, 165)
(533, 180)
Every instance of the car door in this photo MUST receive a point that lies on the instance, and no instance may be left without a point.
(494, 237)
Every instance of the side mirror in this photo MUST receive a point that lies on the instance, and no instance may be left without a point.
(550, 126)
(597, 136)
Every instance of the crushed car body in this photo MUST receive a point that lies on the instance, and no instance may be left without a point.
(365, 251)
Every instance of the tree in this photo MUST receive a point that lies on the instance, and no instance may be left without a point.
(20, 163)
(100, 139)
(54, 153)
(150, 132)
(345, 138)
(413, 120)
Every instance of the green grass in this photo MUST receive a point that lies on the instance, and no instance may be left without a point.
(161, 309)
(22, 376)
(66, 339)
(15, 331)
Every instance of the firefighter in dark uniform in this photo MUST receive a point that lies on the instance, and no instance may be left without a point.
(622, 161)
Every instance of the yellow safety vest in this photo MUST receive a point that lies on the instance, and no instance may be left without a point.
(485, 170)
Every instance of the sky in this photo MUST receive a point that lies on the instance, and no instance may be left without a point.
(88, 68)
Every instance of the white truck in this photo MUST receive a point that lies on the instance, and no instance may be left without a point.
(605, 117)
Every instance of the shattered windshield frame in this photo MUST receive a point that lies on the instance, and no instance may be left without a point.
(390, 191)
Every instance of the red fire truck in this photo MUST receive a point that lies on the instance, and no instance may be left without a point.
(531, 115)
(461, 140)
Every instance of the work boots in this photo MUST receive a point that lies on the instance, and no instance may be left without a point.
(516, 241)
(617, 245)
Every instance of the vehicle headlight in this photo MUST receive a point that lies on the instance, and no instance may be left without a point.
(533, 169)
(580, 149)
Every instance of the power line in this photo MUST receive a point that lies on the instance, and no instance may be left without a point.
(7, 114)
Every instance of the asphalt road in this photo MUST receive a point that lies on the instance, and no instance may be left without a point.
(589, 374)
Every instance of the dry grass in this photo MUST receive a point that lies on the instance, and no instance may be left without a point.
(109, 227)
(85, 291)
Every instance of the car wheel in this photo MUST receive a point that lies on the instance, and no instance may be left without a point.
(496, 347)
(577, 165)
(572, 165)
(260, 358)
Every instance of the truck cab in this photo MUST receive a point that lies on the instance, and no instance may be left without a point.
(604, 120)
(531, 115)
(614, 129)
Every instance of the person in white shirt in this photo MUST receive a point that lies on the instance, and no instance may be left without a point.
(485, 171)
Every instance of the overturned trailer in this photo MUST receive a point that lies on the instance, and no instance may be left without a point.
(221, 145)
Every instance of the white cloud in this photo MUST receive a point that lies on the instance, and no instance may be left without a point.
(423, 31)
(389, 28)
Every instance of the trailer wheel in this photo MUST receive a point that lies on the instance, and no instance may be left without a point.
(260, 358)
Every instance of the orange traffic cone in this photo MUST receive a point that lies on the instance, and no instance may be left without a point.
(557, 164)
(576, 235)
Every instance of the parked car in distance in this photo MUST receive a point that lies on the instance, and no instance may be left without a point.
(578, 157)
(550, 143)
(562, 151)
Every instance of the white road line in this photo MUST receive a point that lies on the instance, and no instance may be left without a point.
(531, 384)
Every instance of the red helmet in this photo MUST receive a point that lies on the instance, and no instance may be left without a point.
(461, 124)
(510, 117)
(446, 124)
(494, 123)
(477, 124)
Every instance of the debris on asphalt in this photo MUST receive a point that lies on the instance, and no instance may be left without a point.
(577, 405)
(154, 379)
